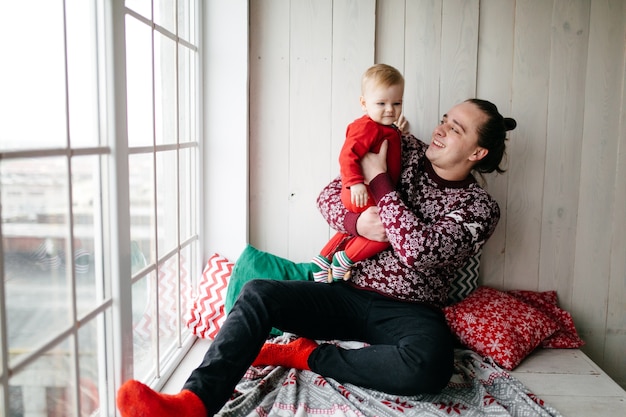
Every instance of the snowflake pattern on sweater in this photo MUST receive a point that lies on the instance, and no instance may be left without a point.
(434, 226)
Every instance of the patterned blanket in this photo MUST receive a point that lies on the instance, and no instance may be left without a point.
(478, 388)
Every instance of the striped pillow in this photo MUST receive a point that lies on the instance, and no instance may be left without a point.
(207, 314)
(465, 280)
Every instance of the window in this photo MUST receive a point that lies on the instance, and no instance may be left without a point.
(99, 195)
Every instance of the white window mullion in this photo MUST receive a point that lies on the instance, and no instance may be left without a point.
(71, 278)
(70, 271)
(177, 119)
(157, 255)
(198, 85)
(4, 343)
(118, 200)
(106, 355)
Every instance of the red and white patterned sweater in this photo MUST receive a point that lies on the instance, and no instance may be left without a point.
(434, 227)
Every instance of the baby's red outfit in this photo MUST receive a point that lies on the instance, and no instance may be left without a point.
(362, 136)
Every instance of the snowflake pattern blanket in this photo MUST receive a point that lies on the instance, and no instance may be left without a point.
(478, 388)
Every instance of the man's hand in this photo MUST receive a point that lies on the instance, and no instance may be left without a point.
(358, 195)
(373, 164)
(370, 227)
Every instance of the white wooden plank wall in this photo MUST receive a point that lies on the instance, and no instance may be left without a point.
(557, 66)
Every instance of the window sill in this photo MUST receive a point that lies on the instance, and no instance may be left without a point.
(192, 359)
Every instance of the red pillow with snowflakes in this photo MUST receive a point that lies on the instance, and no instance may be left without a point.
(566, 337)
(498, 325)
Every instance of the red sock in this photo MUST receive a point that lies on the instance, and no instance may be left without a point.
(135, 399)
(292, 355)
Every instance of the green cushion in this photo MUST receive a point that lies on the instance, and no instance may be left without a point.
(254, 263)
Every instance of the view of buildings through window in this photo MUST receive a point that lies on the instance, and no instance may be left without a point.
(60, 186)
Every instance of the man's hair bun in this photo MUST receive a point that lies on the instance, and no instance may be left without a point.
(509, 123)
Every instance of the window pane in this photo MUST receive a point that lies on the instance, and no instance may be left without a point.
(89, 372)
(16, 401)
(34, 229)
(170, 292)
(139, 82)
(32, 102)
(143, 7)
(167, 201)
(144, 313)
(188, 170)
(46, 385)
(82, 73)
(165, 14)
(190, 268)
(187, 86)
(141, 188)
(186, 20)
(165, 89)
(87, 214)
(190, 273)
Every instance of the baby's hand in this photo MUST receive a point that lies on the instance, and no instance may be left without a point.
(358, 195)
(402, 124)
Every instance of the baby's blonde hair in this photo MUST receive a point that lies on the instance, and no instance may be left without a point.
(381, 74)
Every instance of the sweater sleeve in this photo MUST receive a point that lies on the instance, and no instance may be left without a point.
(449, 240)
(334, 212)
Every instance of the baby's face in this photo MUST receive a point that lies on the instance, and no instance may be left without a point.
(383, 104)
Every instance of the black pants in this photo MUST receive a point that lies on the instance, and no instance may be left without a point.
(410, 352)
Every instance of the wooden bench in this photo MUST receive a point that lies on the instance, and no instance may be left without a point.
(572, 383)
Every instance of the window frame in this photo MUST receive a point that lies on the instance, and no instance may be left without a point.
(113, 312)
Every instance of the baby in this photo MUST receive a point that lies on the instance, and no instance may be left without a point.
(382, 89)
